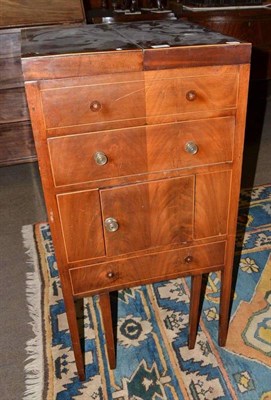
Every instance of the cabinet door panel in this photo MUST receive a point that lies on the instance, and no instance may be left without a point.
(80, 216)
(149, 214)
(212, 204)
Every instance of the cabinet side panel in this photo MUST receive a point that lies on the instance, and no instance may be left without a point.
(211, 204)
(81, 224)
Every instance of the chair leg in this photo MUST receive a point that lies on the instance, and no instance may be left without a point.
(108, 328)
(196, 284)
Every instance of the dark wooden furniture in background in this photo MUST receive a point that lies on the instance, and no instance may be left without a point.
(16, 139)
(99, 11)
(246, 24)
(140, 151)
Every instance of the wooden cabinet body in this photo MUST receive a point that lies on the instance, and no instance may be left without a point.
(140, 148)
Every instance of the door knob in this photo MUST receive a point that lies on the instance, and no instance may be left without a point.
(191, 95)
(110, 274)
(191, 148)
(95, 106)
(111, 224)
(188, 259)
(100, 158)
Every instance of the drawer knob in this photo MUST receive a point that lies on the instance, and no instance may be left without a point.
(191, 148)
(100, 158)
(111, 224)
(191, 95)
(95, 106)
(110, 274)
(188, 259)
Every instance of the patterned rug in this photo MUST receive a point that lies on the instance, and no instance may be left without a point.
(153, 360)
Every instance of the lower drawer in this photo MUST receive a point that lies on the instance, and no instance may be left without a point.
(146, 269)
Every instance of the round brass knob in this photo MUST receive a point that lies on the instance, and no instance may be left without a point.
(110, 274)
(191, 148)
(188, 259)
(100, 158)
(191, 95)
(95, 106)
(111, 224)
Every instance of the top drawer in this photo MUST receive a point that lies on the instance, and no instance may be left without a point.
(129, 97)
(178, 91)
(93, 104)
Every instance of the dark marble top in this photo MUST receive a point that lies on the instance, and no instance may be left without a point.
(148, 35)
(60, 40)
(122, 36)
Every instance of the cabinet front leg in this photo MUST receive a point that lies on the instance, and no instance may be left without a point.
(225, 302)
(196, 285)
(73, 324)
(75, 337)
(105, 305)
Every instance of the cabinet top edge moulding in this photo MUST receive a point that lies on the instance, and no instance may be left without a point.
(16, 13)
(63, 52)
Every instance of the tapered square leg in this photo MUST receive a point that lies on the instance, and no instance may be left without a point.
(225, 301)
(75, 337)
(105, 305)
(196, 285)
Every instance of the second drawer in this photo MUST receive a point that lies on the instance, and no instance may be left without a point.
(95, 156)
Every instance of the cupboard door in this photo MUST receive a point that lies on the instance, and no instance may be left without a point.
(148, 214)
(81, 224)
(212, 204)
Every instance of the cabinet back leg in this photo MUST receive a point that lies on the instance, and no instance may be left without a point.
(105, 305)
(225, 302)
(196, 285)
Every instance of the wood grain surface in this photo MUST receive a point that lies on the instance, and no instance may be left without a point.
(166, 95)
(41, 12)
(150, 268)
(212, 204)
(81, 65)
(150, 214)
(155, 148)
(11, 75)
(176, 211)
(73, 105)
(13, 105)
(81, 224)
(16, 143)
